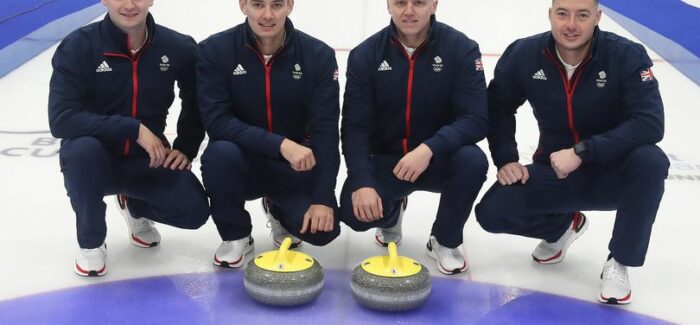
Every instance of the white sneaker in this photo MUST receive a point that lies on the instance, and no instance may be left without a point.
(449, 260)
(615, 286)
(384, 236)
(278, 232)
(142, 232)
(550, 253)
(231, 253)
(91, 262)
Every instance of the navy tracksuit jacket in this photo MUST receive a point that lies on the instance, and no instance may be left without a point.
(98, 89)
(394, 102)
(99, 95)
(608, 104)
(248, 107)
(612, 105)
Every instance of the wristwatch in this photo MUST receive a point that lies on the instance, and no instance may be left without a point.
(580, 149)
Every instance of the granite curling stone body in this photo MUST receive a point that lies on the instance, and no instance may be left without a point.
(390, 283)
(283, 277)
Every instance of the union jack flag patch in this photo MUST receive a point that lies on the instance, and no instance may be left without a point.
(647, 75)
(478, 65)
(335, 75)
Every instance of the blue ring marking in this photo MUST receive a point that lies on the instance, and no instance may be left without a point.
(217, 297)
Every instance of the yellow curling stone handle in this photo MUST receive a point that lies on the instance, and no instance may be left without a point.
(284, 260)
(392, 266)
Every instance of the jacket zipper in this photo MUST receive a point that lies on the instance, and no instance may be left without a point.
(570, 89)
(409, 91)
(268, 83)
(135, 89)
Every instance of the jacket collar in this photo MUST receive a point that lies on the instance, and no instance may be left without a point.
(252, 41)
(393, 32)
(116, 41)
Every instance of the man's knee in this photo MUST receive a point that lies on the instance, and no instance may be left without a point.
(347, 216)
(199, 213)
(346, 213)
(85, 164)
(355, 224)
(221, 155)
(192, 213)
(471, 159)
(293, 221)
(489, 213)
(486, 217)
(322, 238)
(649, 159)
(83, 150)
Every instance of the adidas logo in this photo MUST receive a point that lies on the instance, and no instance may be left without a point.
(384, 66)
(239, 71)
(539, 75)
(103, 67)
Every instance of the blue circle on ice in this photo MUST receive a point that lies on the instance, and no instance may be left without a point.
(220, 297)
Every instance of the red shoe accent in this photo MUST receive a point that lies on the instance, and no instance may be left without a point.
(461, 269)
(141, 242)
(379, 241)
(121, 199)
(627, 297)
(549, 259)
(577, 220)
(80, 269)
(218, 262)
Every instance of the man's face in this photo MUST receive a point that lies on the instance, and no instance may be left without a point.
(411, 17)
(267, 17)
(128, 14)
(573, 22)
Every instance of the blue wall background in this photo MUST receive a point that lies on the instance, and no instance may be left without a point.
(669, 27)
(28, 27)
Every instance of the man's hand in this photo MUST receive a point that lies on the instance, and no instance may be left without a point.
(153, 146)
(564, 162)
(301, 158)
(177, 160)
(367, 205)
(511, 173)
(413, 164)
(318, 218)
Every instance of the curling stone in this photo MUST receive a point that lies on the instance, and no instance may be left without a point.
(390, 283)
(283, 277)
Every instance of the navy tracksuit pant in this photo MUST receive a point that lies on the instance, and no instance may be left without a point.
(458, 177)
(232, 176)
(542, 207)
(91, 172)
